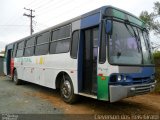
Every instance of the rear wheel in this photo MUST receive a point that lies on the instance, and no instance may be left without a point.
(15, 78)
(67, 90)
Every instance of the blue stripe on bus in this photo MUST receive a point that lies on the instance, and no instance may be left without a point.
(90, 21)
(80, 62)
(146, 71)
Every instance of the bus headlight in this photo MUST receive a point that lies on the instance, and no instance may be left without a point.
(119, 77)
(124, 78)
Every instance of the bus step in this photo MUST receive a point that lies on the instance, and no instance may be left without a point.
(88, 95)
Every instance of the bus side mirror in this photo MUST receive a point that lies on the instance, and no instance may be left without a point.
(109, 27)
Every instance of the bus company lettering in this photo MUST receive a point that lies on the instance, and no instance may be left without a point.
(26, 60)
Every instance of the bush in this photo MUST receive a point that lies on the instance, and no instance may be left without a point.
(156, 56)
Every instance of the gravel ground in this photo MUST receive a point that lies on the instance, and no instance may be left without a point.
(14, 99)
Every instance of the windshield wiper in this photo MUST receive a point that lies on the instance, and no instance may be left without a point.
(138, 40)
(118, 54)
(146, 40)
(129, 30)
(135, 35)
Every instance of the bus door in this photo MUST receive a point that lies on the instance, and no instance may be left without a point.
(90, 51)
(8, 61)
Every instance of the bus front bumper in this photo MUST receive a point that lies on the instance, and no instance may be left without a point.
(118, 92)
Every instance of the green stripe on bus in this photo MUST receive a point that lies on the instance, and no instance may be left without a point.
(103, 92)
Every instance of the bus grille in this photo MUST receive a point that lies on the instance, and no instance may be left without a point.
(142, 80)
(142, 89)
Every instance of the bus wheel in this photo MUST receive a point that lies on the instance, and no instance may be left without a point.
(67, 91)
(15, 78)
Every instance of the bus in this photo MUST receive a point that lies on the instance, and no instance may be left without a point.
(104, 54)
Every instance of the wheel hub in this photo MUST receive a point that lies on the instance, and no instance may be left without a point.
(15, 77)
(66, 89)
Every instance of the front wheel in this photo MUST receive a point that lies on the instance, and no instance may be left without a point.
(67, 90)
(15, 78)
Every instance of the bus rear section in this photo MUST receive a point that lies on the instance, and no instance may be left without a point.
(8, 62)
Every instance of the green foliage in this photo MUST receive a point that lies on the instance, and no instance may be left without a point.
(152, 19)
(146, 17)
(157, 8)
(157, 90)
(156, 56)
(153, 23)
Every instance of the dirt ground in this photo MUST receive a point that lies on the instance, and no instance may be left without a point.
(149, 104)
(143, 104)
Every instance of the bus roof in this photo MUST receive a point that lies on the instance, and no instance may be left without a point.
(101, 10)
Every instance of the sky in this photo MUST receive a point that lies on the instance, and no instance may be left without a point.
(14, 26)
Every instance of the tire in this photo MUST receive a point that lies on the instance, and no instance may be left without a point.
(67, 90)
(15, 78)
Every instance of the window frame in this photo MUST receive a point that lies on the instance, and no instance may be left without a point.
(134, 25)
(41, 45)
(14, 50)
(58, 41)
(61, 39)
(17, 49)
(30, 46)
(29, 40)
(42, 35)
(71, 43)
(49, 37)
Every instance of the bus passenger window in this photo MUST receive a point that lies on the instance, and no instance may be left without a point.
(20, 49)
(42, 46)
(61, 46)
(74, 44)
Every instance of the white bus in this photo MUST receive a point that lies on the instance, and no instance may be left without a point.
(104, 54)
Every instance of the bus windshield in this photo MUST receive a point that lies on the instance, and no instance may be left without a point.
(129, 45)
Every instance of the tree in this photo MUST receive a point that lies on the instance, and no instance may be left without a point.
(152, 19)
